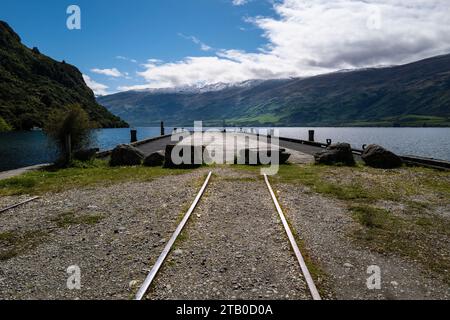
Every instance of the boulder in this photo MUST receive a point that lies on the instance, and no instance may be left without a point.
(195, 150)
(85, 154)
(126, 155)
(340, 153)
(378, 157)
(249, 154)
(155, 159)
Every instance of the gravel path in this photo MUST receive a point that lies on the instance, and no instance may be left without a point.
(111, 233)
(325, 224)
(233, 248)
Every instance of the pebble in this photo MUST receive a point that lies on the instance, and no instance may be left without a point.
(348, 265)
(133, 284)
(178, 252)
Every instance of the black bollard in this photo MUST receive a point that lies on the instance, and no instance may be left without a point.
(133, 133)
(162, 128)
(311, 135)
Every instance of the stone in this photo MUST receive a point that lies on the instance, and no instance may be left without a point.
(85, 154)
(378, 157)
(155, 159)
(249, 155)
(348, 265)
(132, 284)
(126, 155)
(178, 252)
(340, 153)
(120, 230)
(198, 151)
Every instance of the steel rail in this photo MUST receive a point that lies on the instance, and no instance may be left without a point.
(307, 275)
(151, 276)
(18, 204)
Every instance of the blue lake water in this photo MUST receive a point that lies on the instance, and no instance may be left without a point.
(19, 149)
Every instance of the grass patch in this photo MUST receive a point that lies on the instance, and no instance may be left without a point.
(368, 184)
(68, 219)
(411, 229)
(82, 175)
(14, 243)
(371, 217)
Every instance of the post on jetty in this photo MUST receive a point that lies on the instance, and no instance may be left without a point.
(133, 133)
(311, 135)
(162, 128)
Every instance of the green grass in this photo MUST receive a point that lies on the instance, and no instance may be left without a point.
(414, 232)
(15, 243)
(4, 126)
(371, 217)
(368, 184)
(68, 219)
(326, 180)
(83, 175)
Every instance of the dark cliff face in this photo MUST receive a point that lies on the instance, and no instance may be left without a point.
(32, 84)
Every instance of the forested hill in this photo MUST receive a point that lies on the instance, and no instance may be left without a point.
(416, 94)
(32, 84)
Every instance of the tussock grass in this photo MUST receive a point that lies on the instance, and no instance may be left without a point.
(68, 219)
(80, 175)
(15, 243)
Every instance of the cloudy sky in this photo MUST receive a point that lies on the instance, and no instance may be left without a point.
(167, 43)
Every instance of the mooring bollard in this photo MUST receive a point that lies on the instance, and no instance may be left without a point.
(162, 128)
(311, 135)
(133, 133)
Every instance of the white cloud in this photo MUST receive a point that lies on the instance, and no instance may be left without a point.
(318, 36)
(203, 46)
(126, 59)
(98, 88)
(239, 2)
(108, 72)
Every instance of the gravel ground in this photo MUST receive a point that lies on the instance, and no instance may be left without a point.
(325, 224)
(112, 233)
(11, 200)
(233, 248)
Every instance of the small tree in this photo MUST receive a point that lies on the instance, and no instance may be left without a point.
(4, 126)
(70, 129)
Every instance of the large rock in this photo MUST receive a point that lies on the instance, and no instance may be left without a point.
(194, 150)
(378, 157)
(155, 159)
(249, 155)
(340, 153)
(85, 154)
(126, 155)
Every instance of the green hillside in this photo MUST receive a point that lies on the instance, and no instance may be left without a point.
(32, 84)
(416, 94)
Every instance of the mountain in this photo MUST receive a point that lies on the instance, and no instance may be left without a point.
(32, 84)
(415, 94)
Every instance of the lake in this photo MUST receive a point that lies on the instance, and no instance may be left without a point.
(19, 149)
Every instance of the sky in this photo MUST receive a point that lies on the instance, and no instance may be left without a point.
(142, 44)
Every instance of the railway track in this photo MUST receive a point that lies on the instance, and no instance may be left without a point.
(168, 248)
(18, 204)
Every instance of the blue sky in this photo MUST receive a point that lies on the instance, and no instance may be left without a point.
(137, 30)
(139, 44)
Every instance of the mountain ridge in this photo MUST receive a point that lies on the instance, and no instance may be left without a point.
(414, 94)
